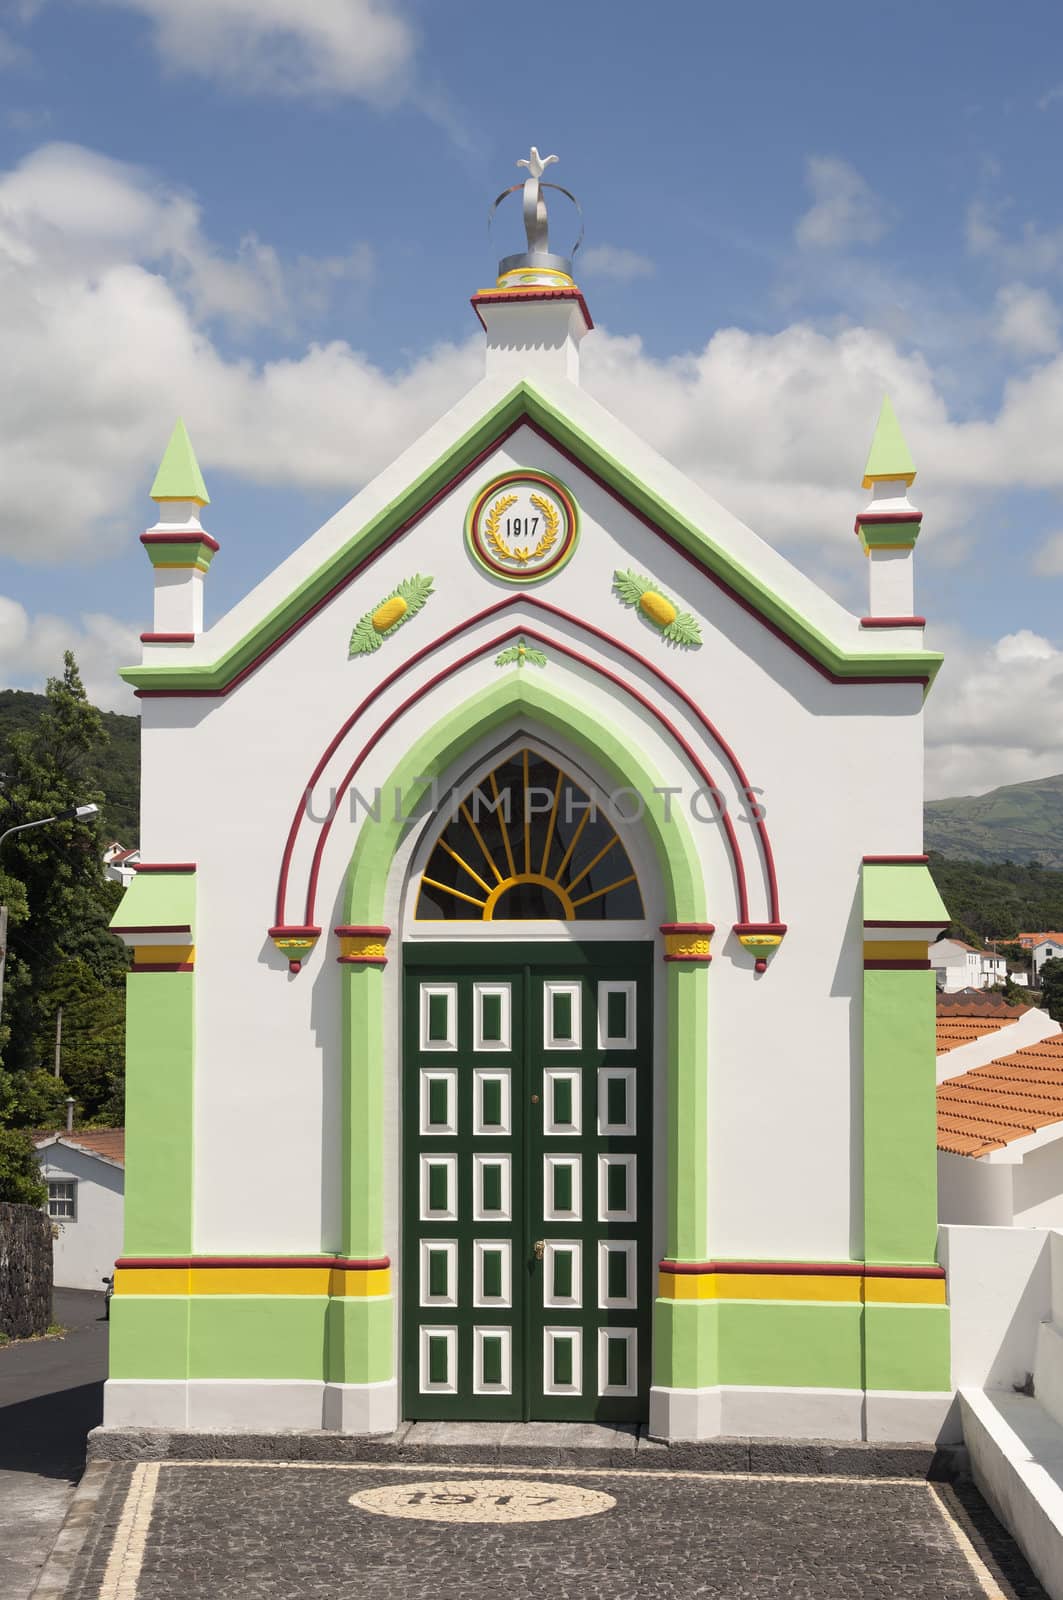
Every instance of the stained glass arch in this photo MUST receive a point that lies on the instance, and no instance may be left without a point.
(528, 843)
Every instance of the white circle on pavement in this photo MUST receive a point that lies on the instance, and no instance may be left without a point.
(483, 1500)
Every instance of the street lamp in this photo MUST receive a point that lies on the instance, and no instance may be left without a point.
(70, 814)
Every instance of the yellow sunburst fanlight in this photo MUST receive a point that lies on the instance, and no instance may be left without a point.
(529, 843)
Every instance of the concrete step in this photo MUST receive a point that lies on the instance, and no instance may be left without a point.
(1016, 1454)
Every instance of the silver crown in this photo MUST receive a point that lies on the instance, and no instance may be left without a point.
(537, 265)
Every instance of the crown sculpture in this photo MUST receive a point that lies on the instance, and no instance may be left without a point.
(537, 266)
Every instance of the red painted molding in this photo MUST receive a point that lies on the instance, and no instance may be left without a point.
(688, 927)
(545, 606)
(803, 1269)
(361, 961)
(906, 922)
(558, 647)
(344, 1263)
(411, 521)
(691, 961)
(760, 927)
(362, 932)
(157, 927)
(194, 536)
(521, 296)
(164, 866)
(893, 622)
(295, 930)
(896, 966)
(163, 966)
(895, 861)
(873, 517)
(167, 638)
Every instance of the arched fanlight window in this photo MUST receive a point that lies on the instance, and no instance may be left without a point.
(527, 842)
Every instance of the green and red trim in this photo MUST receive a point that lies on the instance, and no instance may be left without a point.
(525, 407)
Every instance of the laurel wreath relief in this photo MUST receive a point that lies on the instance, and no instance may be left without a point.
(522, 554)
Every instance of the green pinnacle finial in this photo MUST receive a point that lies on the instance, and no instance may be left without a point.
(889, 456)
(179, 477)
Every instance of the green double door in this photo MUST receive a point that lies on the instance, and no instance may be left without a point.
(527, 1183)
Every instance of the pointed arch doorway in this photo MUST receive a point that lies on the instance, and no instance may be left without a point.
(527, 1096)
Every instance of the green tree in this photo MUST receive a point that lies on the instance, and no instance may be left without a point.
(20, 1176)
(59, 902)
(1052, 989)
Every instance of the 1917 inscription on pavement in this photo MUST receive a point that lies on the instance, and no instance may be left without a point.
(317, 1531)
(484, 1500)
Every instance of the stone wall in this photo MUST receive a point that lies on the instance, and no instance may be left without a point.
(25, 1271)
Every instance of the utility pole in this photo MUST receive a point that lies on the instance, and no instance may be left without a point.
(71, 814)
(58, 1039)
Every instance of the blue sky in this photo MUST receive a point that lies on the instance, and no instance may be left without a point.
(268, 216)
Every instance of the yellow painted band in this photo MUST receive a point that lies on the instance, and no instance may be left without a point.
(320, 1280)
(164, 955)
(800, 1286)
(905, 1291)
(687, 945)
(895, 950)
(365, 948)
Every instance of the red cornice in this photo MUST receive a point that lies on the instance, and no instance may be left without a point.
(342, 1263)
(167, 638)
(893, 622)
(688, 927)
(895, 861)
(515, 297)
(164, 866)
(352, 932)
(906, 922)
(163, 966)
(801, 1269)
(896, 966)
(162, 927)
(760, 927)
(888, 516)
(194, 536)
(295, 930)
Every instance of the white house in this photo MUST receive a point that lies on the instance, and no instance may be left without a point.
(1048, 948)
(961, 966)
(85, 1174)
(120, 863)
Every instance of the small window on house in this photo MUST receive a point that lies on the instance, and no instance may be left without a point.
(62, 1200)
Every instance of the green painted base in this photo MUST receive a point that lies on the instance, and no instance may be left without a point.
(781, 1343)
(252, 1336)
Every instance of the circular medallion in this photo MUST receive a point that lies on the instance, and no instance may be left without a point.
(483, 1500)
(522, 527)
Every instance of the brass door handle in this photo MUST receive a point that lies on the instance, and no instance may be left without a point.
(539, 1247)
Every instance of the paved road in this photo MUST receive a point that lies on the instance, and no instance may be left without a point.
(51, 1394)
(202, 1530)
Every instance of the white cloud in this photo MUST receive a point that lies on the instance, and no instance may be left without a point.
(845, 209)
(286, 47)
(989, 719)
(1029, 250)
(1048, 559)
(615, 261)
(31, 650)
(1026, 320)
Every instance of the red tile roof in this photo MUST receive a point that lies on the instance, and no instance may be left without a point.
(106, 1142)
(962, 1017)
(992, 1106)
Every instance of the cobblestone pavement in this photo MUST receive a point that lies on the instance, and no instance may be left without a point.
(202, 1531)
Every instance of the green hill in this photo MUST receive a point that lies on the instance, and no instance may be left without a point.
(116, 771)
(1019, 822)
